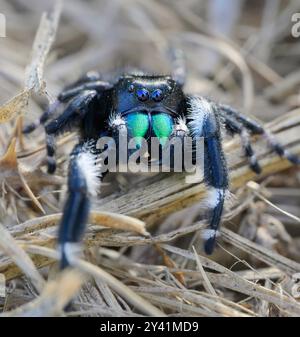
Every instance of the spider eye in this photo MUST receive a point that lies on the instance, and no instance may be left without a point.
(142, 94)
(157, 95)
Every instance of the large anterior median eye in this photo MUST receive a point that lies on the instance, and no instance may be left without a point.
(137, 125)
(142, 94)
(157, 95)
(162, 125)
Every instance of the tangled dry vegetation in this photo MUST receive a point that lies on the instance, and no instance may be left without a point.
(248, 60)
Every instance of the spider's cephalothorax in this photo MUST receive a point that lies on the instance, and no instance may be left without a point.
(145, 107)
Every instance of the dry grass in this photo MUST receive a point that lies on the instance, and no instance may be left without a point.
(248, 60)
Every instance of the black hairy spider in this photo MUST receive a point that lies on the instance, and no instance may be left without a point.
(146, 106)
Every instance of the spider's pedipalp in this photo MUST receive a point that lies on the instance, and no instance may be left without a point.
(117, 123)
(180, 128)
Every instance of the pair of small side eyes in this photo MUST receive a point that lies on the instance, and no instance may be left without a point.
(143, 94)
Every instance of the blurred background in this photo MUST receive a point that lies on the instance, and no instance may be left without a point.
(236, 51)
(240, 52)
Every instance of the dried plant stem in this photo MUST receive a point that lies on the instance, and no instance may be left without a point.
(170, 194)
(53, 299)
(97, 272)
(20, 258)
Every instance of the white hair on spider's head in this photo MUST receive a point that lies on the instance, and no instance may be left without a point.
(199, 109)
(90, 169)
(116, 121)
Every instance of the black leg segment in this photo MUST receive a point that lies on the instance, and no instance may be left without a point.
(216, 178)
(233, 126)
(204, 121)
(43, 119)
(99, 86)
(256, 129)
(83, 182)
(73, 114)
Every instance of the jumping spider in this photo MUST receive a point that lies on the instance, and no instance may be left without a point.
(147, 106)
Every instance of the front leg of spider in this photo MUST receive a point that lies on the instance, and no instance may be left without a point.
(204, 122)
(89, 82)
(84, 180)
(72, 116)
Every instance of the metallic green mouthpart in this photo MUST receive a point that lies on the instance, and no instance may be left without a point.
(162, 125)
(138, 125)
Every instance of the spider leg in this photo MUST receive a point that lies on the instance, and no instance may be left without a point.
(50, 150)
(280, 150)
(256, 129)
(234, 127)
(92, 85)
(90, 76)
(74, 112)
(90, 81)
(253, 126)
(83, 182)
(204, 122)
(43, 119)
